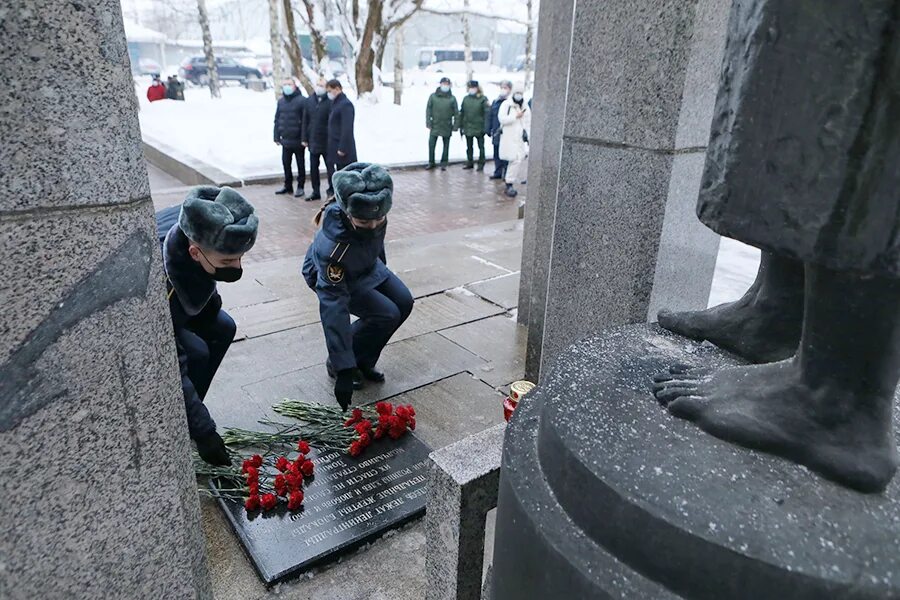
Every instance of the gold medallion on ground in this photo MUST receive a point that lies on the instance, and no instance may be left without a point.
(335, 273)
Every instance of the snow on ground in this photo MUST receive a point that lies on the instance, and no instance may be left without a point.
(736, 267)
(234, 133)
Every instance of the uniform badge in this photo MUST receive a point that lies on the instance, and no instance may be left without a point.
(334, 273)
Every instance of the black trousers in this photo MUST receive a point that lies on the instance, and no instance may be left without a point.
(470, 150)
(381, 311)
(287, 157)
(314, 158)
(499, 165)
(337, 163)
(206, 341)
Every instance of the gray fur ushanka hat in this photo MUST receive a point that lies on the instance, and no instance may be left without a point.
(218, 219)
(364, 190)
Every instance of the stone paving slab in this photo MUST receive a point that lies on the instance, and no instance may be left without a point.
(453, 408)
(502, 291)
(428, 279)
(247, 291)
(443, 310)
(272, 317)
(408, 364)
(500, 341)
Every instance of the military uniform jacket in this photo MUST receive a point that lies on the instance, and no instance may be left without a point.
(192, 294)
(340, 262)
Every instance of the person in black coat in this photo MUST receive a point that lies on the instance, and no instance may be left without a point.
(341, 143)
(289, 135)
(203, 240)
(315, 137)
(494, 130)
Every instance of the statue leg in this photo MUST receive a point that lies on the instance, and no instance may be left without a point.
(830, 406)
(763, 325)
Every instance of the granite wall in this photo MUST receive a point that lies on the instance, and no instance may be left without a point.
(99, 498)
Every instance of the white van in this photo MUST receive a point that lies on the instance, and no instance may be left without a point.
(452, 59)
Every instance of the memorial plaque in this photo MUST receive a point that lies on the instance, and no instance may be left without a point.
(348, 502)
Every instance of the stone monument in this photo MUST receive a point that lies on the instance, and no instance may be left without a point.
(804, 163)
(604, 495)
(99, 493)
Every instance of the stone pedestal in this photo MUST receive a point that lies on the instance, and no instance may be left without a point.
(603, 494)
(623, 104)
(99, 495)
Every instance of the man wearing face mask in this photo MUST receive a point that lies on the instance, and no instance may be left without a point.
(315, 136)
(473, 119)
(494, 130)
(441, 116)
(341, 142)
(203, 241)
(289, 135)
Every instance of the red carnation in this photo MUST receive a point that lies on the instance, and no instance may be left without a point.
(357, 414)
(252, 502)
(361, 428)
(364, 439)
(294, 482)
(412, 423)
(302, 447)
(256, 460)
(384, 420)
(402, 412)
(282, 464)
(411, 410)
(355, 449)
(280, 481)
(252, 474)
(295, 500)
(307, 468)
(384, 408)
(246, 465)
(254, 488)
(268, 501)
(379, 433)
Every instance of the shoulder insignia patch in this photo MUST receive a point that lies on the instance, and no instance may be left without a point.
(334, 273)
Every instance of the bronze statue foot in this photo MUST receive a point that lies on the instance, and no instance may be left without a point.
(771, 408)
(762, 326)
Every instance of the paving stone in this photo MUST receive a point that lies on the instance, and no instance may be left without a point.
(408, 364)
(451, 409)
(245, 292)
(447, 309)
(502, 291)
(271, 317)
(498, 340)
(427, 279)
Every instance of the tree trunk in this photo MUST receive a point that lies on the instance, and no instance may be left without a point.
(529, 45)
(211, 70)
(275, 43)
(398, 66)
(365, 60)
(319, 49)
(467, 42)
(292, 46)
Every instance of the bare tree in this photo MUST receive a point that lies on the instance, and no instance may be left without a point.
(275, 44)
(315, 17)
(467, 42)
(529, 44)
(292, 47)
(398, 66)
(211, 70)
(367, 32)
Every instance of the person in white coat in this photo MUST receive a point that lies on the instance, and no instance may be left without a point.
(515, 120)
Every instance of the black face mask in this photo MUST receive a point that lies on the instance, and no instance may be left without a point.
(227, 274)
(224, 274)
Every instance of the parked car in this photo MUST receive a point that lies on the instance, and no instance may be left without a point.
(194, 70)
(148, 66)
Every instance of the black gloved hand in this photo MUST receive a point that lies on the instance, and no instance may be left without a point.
(212, 449)
(343, 388)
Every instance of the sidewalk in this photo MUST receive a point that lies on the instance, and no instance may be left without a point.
(453, 238)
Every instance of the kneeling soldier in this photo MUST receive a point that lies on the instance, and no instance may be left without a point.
(345, 265)
(203, 241)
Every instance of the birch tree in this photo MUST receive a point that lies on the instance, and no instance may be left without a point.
(398, 66)
(467, 42)
(211, 70)
(275, 44)
(529, 44)
(292, 47)
(315, 16)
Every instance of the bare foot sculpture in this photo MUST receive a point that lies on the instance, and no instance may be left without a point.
(802, 163)
(763, 325)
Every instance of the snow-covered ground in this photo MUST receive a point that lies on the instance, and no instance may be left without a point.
(736, 268)
(234, 133)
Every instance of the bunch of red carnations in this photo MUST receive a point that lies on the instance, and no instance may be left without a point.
(392, 421)
(287, 484)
